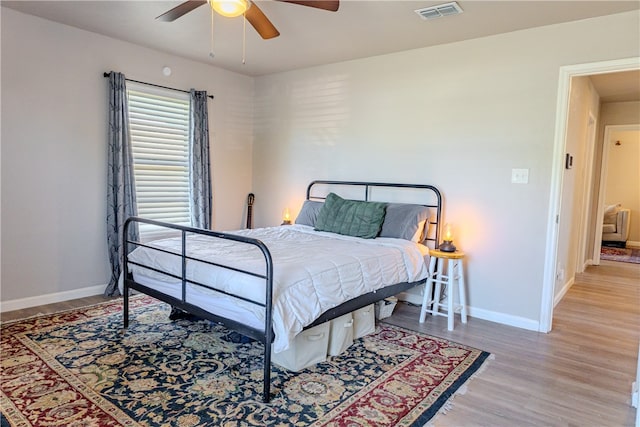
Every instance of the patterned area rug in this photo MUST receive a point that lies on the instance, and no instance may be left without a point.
(620, 254)
(77, 368)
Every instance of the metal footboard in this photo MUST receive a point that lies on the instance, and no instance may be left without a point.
(265, 336)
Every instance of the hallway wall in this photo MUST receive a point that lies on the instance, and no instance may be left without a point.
(622, 184)
(611, 113)
(584, 103)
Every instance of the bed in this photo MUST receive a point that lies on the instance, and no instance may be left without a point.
(272, 283)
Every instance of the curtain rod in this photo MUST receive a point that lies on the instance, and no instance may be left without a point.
(151, 84)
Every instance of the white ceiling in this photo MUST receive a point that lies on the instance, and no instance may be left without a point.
(617, 87)
(309, 36)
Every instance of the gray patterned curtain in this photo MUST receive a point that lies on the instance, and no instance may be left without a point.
(199, 173)
(121, 194)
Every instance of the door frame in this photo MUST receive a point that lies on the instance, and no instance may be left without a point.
(586, 211)
(608, 130)
(555, 194)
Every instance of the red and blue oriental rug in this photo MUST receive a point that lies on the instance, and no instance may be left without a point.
(77, 368)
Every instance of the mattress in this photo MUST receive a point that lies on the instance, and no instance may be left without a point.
(312, 273)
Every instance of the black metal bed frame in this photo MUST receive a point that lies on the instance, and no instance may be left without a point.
(264, 336)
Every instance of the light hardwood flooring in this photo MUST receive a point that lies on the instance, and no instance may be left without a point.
(580, 374)
(52, 308)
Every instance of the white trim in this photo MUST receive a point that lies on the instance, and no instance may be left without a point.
(597, 247)
(634, 391)
(504, 319)
(19, 304)
(633, 243)
(587, 178)
(548, 285)
(555, 193)
(412, 297)
(479, 313)
(563, 291)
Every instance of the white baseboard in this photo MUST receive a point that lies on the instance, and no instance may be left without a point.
(633, 243)
(19, 304)
(563, 291)
(505, 319)
(415, 297)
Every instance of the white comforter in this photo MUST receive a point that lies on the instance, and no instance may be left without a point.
(313, 271)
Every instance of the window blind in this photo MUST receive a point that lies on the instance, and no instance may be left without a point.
(159, 128)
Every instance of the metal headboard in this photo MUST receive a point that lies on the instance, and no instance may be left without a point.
(433, 236)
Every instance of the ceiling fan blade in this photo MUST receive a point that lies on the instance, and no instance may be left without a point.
(180, 10)
(330, 5)
(260, 22)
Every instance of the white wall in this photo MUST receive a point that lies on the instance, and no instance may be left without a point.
(458, 116)
(54, 147)
(623, 113)
(623, 176)
(583, 104)
(611, 114)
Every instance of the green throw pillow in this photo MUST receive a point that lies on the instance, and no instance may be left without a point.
(351, 217)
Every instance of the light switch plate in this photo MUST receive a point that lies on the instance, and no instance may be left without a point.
(519, 176)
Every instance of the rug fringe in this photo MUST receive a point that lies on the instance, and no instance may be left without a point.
(461, 391)
(484, 365)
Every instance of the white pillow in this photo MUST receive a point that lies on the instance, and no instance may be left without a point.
(420, 232)
(612, 209)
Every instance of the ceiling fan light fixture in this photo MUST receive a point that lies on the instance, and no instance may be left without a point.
(229, 8)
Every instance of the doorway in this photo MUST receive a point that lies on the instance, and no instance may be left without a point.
(619, 180)
(556, 194)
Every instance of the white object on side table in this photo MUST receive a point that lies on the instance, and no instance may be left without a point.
(454, 275)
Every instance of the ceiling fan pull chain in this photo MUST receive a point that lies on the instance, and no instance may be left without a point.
(244, 38)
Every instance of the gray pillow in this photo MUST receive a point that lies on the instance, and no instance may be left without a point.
(309, 213)
(403, 221)
(351, 217)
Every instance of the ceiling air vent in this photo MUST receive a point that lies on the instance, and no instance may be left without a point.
(440, 10)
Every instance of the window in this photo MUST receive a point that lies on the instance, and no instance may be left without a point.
(159, 127)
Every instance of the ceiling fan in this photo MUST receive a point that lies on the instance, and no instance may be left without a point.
(251, 11)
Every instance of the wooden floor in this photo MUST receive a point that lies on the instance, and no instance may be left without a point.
(580, 374)
(51, 308)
